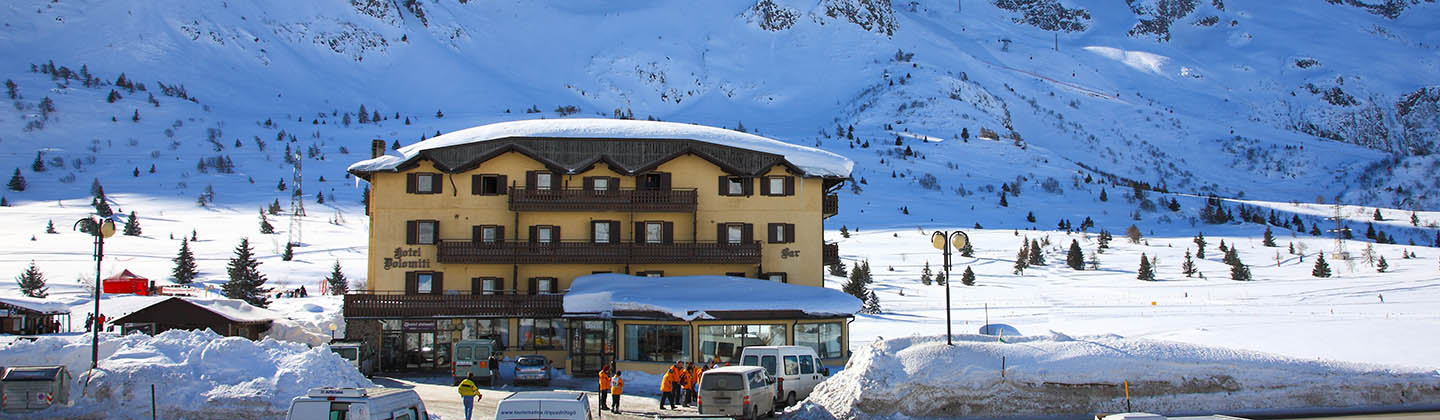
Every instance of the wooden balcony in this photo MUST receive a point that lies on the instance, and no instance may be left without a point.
(830, 254)
(387, 305)
(831, 205)
(579, 199)
(470, 252)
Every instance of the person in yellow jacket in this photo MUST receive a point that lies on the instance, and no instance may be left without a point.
(667, 389)
(616, 386)
(468, 393)
(604, 386)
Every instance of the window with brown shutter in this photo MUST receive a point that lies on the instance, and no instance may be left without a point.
(411, 283)
(421, 232)
(487, 184)
(789, 185)
(422, 183)
(604, 231)
(735, 186)
(669, 232)
(747, 233)
(776, 277)
(488, 234)
(615, 227)
(780, 233)
(790, 233)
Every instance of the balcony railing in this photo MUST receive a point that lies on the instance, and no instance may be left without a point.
(471, 252)
(830, 254)
(831, 205)
(579, 199)
(379, 305)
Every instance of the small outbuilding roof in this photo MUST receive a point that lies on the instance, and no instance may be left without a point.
(231, 309)
(38, 306)
(808, 160)
(125, 275)
(703, 297)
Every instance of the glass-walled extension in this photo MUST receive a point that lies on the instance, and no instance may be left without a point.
(653, 345)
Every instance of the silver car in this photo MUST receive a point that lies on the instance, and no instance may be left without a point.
(532, 369)
(744, 392)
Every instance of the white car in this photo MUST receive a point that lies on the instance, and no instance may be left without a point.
(797, 368)
(358, 404)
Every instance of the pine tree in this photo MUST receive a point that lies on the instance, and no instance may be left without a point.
(1414, 220)
(289, 252)
(1103, 196)
(844, 233)
(1093, 260)
(32, 282)
(1187, 267)
(968, 251)
(968, 277)
(925, 274)
(1003, 202)
(194, 236)
(1269, 238)
(17, 181)
(872, 304)
(1146, 271)
(1037, 254)
(865, 272)
(265, 227)
(1200, 244)
(50, 227)
(838, 270)
(1022, 258)
(320, 198)
(1104, 240)
(246, 282)
(1315, 230)
(132, 226)
(1322, 269)
(1382, 265)
(39, 164)
(1029, 217)
(1378, 217)
(1075, 258)
(1231, 257)
(1223, 248)
(336, 281)
(184, 271)
(1240, 272)
(856, 285)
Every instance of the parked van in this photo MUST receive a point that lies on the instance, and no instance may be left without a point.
(743, 392)
(358, 404)
(548, 405)
(31, 388)
(797, 368)
(471, 356)
(359, 355)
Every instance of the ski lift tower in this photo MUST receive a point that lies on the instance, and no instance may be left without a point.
(1340, 230)
(297, 202)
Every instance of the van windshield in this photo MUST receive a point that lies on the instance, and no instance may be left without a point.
(348, 353)
(722, 382)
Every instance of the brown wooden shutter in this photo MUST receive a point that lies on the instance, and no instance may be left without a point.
(614, 232)
(530, 180)
(410, 183)
(477, 233)
(412, 283)
(435, 235)
(477, 184)
(589, 183)
(789, 233)
(765, 186)
(747, 233)
(532, 286)
(437, 187)
(770, 233)
(477, 285)
(640, 232)
(669, 232)
(500, 233)
(555, 234)
(501, 185)
(720, 234)
(534, 234)
(554, 180)
(614, 184)
(748, 185)
(665, 181)
(438, 282)
(724, 185)
(411, 232)
(789, 185)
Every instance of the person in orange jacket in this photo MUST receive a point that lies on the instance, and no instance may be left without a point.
(616, 386)
(604, 385)
(667, 389)
(693, 378)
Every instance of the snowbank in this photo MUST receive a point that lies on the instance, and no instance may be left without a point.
(197, 374)
(813, 161)
(687, 297)
(1060, 375)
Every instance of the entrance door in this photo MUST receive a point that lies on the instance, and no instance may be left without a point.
(392, 351)
(420, 350)
(592, 345)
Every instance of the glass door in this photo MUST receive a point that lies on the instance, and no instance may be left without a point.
(420, 350)
(591, 345)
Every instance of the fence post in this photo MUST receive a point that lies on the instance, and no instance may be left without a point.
(152, 401)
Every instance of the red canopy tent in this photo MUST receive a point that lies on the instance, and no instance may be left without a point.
(127, 282)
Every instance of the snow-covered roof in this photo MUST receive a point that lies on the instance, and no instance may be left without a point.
(232, 309)
(38, 305)
(814, 162)
(689, 297)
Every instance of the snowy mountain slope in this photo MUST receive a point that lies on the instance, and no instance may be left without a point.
(1202, 107)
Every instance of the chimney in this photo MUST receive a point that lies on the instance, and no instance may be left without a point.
(377, 148)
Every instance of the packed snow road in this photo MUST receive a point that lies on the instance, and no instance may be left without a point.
(442, 399)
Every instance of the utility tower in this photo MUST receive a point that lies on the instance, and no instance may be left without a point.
(297, 201)
(1340, 230)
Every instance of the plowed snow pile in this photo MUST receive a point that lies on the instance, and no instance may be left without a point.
(1061, 375)
(197, 374)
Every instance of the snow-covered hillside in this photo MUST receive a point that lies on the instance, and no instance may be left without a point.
(1063, 110)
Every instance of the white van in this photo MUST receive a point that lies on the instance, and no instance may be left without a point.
(548, 405)
(743, 392)
(797, 368)
(358, 404)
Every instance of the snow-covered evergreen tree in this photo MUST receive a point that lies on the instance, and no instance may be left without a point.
(32, 282)
(132, 225)
(336, 281)
(968, 277)
(17, 181)
(246, 282)
(1146, 271)
(185, 269)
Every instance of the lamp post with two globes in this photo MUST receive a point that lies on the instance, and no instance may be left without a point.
(101, 227)
(944, 241)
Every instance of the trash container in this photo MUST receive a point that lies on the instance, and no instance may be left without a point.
(25, 389)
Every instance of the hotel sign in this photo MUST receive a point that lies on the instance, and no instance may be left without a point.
(787, 253)
(418, 325)
(406, 258)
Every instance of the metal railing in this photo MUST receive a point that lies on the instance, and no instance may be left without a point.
(574, 252)
(831, 205)
(579, 199)
(830, 254)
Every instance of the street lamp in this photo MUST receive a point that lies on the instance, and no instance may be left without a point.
(101, 227)
(944, 241)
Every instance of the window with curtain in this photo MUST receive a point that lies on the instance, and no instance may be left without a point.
(657, 343)
(726, 341)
